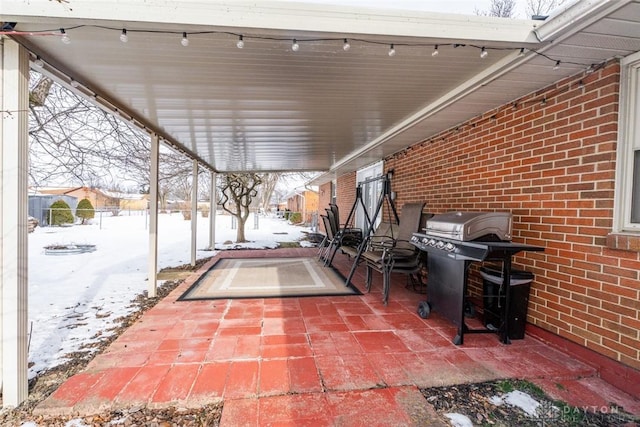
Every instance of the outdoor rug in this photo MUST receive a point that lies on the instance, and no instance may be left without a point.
(268, 278)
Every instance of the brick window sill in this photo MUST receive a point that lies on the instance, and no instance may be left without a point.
(624, 241)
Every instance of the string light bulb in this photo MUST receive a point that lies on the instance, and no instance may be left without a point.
(435, 51)
(295, 46)
(74, 83)
(38, 62)
(483, 53)
(123, 36)
(521, 53)
(65, 37)
(392, 50)
(557, 66)
(346, 46)
(185, 41)
(240, 43)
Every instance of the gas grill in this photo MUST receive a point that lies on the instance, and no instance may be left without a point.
(453, 240)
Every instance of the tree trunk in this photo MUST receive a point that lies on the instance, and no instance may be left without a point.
(240, 231)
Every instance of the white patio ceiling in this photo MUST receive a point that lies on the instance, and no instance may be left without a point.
(268, 108)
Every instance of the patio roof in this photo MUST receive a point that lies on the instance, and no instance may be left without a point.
(266, 107)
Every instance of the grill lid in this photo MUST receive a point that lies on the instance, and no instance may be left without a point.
(465, 226)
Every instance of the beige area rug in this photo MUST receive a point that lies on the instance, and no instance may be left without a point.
(268, 278)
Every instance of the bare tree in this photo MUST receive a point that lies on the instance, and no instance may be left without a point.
(237, 191)
(542, 7)
(499, 8)
(269, 182)
(74, 141)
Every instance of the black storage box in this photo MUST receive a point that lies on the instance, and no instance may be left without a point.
(494, 298)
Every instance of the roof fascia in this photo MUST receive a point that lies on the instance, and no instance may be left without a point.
(273, 15)
(575, 17)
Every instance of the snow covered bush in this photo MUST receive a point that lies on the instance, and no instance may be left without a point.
(85, 210)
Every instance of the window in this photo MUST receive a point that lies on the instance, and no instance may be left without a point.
(370, 192)
(627, 197)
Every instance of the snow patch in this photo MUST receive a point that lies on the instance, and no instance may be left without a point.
(459, 420)
(518, 399)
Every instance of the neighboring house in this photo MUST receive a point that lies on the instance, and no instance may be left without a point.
(101, 200)
(304, 201)
(131, 202)
(562, 161)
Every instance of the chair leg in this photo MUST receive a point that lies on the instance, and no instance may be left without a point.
(386, 284)
(368, 280)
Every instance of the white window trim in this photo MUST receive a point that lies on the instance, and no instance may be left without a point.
(628, 142)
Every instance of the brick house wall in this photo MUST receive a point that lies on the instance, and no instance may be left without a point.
(549, 158)
(324, 198)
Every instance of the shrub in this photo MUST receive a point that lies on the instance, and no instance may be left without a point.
(60, 213)
(85, 210)
(295, 217)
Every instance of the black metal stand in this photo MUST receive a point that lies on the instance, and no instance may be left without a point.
(447, 283)
(385, 196)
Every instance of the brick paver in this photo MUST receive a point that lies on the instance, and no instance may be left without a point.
(310, 361)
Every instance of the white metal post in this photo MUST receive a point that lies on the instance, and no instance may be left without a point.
(212, 212)
(153, 218)
(194, 212)
(14, 107)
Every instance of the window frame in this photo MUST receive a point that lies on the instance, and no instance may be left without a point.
(628, 143)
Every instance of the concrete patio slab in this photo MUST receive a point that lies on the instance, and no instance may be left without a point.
(346, 360)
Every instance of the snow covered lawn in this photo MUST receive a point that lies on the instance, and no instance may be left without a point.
(74, 299)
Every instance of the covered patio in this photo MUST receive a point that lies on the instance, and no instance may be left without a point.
(285, 86)
(312, 361)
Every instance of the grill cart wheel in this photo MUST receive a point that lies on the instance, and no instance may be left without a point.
(424, 309)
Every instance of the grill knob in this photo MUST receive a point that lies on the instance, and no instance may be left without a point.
(440, 245)
(449, 247)
(432, 242)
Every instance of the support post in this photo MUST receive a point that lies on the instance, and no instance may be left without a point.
(212, 212)
(194, 212)
(153, 218)
(14, 107)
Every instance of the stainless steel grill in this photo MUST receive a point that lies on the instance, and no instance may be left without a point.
(466, 226)
(453, 240)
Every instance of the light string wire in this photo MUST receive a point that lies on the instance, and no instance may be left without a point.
(575, 82)
(8, 30)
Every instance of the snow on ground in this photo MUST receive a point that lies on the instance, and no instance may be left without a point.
(73, 299)
(520, 400)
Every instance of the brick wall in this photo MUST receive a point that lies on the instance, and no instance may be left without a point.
(549, 159)
(323, 202)
(346, 194)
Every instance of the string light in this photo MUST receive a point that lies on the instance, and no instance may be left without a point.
(74, 83)
(38, 62)
(484, 51)
(65, 37)
(185, 41)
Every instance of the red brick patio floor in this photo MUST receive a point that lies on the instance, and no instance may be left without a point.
(346, 360)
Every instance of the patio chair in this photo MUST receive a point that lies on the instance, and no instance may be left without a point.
(344, 236)
(328, 241)
(395, 253)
